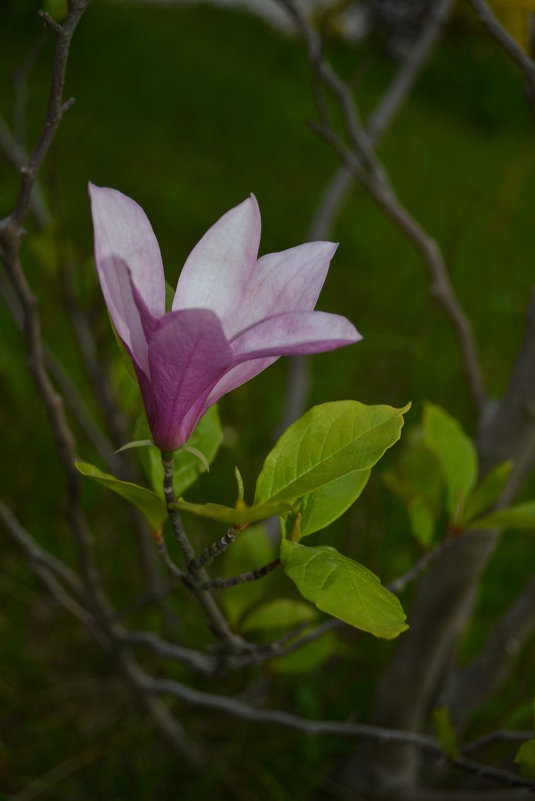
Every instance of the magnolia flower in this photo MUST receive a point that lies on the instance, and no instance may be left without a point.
(232, 316)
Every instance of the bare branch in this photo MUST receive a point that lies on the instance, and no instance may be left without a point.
(381, 118)
(361, 160)
(16, 155)
(64, 34)
(36, 554)
(237, 708)
(199, 662)
(501, 735)
(398, 585)
(481, 679)
(508, 43)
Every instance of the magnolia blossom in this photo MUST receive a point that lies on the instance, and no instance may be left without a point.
(233, 313)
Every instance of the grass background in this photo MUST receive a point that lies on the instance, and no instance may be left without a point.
(188, 110)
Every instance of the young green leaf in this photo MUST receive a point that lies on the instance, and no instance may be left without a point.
(137, 443)
(146, 501)
(343, 588)
(521, 516)
(456, 455)
(416, 479)
(239, 484)
(234, 515)
(525, 758)
(446, 734)
(487, 492)
(421, 520)
(281, 613)
(308, 657)
(324, 445)
(198, 455)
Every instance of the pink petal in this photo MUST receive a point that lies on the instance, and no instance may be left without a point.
(188, 354)
(282, 282)
(126, 308)
(294, 333)
(218, 269)
(237, 376)
(123, 236)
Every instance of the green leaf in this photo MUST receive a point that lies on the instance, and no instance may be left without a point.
(146, 501)
(308, 657)
(137, 443)
(282, 613)
(206, 439)
(323, 507)
(521, 516)
(446, 734)
(234, 514)
(525, 758)
(456, 455)
(239, 484)
(250, 550)
(328, 442)
(421, 520)
(343, 588)
(487, 491)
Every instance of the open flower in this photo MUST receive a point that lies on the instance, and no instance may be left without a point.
(232, 316)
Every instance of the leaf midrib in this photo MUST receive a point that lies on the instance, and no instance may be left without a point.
(333, 455)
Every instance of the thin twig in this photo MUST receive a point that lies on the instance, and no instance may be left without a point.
(218, 547)
(381, 118)
(398, 584)
(507, 42)
(16, 155)
(360, 158)
(239, 709)
(242, 578)
(501, 735)
(201, 663)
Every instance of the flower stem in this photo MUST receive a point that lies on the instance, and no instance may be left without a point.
(199, 578)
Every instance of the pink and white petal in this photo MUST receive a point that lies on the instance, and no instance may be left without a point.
(282, 282)
(294, 333)
(237, 376)
(188, 354)
(218, 269)
(123, 233)
(126, 311)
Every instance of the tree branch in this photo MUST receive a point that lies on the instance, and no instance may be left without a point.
(361, 160)
(508, 43)
(382, 117)
(239, 709)
(479, 681)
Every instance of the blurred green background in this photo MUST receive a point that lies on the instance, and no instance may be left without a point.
(188, 110)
